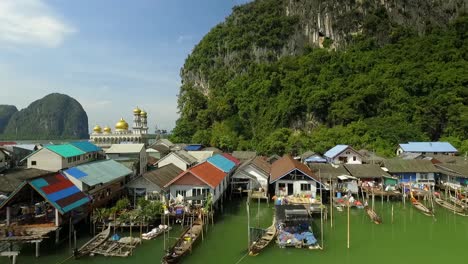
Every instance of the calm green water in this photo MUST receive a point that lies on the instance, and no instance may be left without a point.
(412, 238)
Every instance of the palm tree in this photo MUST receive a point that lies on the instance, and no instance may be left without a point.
(101, 215)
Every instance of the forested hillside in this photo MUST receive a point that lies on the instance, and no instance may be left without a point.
(249, 84)
(56, 116)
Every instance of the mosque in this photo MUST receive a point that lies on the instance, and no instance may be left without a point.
(105, 137)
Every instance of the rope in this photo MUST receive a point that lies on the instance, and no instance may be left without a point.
(65, 260)
(239, 261)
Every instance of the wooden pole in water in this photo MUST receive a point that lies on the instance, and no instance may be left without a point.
(321, 209)
(348, 222)
(373, 199)
(392, 213)
(258, 212)
(331, 202)
(248, 224)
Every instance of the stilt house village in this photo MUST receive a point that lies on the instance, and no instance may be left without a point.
(130, 186)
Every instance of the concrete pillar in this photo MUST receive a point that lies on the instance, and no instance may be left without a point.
(57, 218)
(37, 249)
(8, 215)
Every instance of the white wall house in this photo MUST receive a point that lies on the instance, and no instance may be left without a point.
(199, 180)
(254, 173)
(58, 157)
(290, 177)
(343, 154)
(180, 158)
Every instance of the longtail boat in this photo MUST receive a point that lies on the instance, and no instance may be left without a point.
(185, 243)
(462, 203)
(450, 206)
(92, 244)
(373, 215)
(421, 207)
(263, 241)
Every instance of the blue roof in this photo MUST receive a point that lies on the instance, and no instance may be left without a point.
(98, 172)
(428, 147)
(193, 147)
(331, 153)
(86, 146)
(221, 162)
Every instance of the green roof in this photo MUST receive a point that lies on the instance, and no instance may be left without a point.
(97, 172)
(65, 150)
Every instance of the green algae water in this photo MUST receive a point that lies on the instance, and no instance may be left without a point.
(411, 238)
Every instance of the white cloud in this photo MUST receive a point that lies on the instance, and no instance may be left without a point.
(31, 22)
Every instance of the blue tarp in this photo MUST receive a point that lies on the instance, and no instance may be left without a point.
(193, 147)
(76, 173)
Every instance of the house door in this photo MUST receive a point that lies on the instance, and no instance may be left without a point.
(290, 189)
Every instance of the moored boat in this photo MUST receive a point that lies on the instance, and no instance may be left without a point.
(185, 243)
(92, 244)
(450, 206)
(421, 207)
(373, 215)
(263, 241)
(155, 232)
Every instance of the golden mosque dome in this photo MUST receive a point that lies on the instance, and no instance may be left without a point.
(143, 113)
(97, 129)
(107, 129)
(121, 125)
(136, 111)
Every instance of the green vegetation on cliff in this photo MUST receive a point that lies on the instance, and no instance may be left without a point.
(6, 111)
(240, 91)
(56, 116)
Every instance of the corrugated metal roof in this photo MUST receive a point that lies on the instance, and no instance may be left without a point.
(221, 162)
(286, 165)
(86, 146)
(409, 166)
(315, 158)
(326, 171)
(65, 150)
(185, 156)
(60, 192)
(428, 147)
(97, 172)
(366, 171)
(333, 152)
(125, 148)
(244, 155)
(201, 155)
(206, 172)
(163, 175)
(460, 170)
(13, 178)
(231, 158)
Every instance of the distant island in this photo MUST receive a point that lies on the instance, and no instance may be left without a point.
(56, 116)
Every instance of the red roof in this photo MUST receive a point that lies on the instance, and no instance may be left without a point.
(231, 158)
(287, 164)
(5, 143)
(206, 172)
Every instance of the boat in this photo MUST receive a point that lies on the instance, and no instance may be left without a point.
(421, 207)
(450, 206)
(155, 232)
(373, 215)
(462, 203)
(263, 241)
(92, 244)
(185, 243)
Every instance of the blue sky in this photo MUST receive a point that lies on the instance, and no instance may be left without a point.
(110, 55)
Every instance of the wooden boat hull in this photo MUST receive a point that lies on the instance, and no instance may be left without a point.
(373, 215)
(93, 243)
(263, 241)
(450, 206)
(421, 207)
(183, 244)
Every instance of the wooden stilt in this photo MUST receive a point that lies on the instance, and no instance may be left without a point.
(348, 223)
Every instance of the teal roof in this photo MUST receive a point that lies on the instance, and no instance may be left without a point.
(86, 146)
(97, 172)
(65, 150)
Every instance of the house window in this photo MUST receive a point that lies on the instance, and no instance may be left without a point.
(33, 163)
(354, 158)
(282, 186)
(69, 160)
(423, 176)
(347, 152)
(305, 187)
(424, 153)
(79, 157)
(181, 192)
